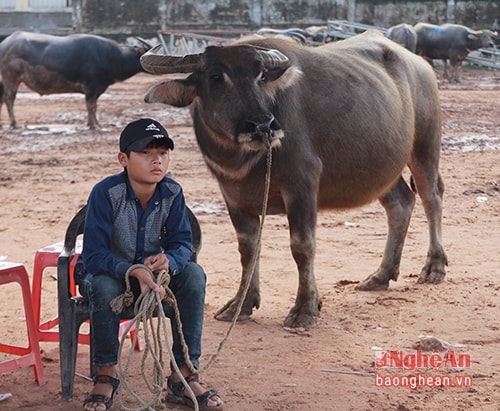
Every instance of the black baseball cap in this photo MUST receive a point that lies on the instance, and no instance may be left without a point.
(138, 134)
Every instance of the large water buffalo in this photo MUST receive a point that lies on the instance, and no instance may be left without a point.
(343, 121)
(451, 42)
(79, 63)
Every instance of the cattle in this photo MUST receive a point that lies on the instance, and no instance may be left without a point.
(403, 34)
(297, 34)
(343, 120)
(319, 34)
(78, 63)
(451, 42)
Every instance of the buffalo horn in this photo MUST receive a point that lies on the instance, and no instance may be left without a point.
(162, 64)
(273, 58)
(144, 42)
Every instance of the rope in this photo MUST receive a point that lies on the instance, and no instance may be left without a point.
(253, 263)
(144, 309)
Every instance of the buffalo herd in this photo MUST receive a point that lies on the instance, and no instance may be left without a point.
(89, 64)
(343, 120)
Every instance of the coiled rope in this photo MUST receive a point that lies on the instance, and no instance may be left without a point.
(144, 308)
(146, 305)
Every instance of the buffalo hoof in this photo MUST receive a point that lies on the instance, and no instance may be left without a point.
(228, 312)
(373, 283)
(302, 317)
(434, 276)
(433, 271)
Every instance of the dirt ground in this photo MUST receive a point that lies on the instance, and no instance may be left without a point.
(49, 165)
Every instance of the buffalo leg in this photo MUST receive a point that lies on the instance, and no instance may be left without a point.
(247, 227)
(431, 188)
(302, 221)
(456, 71)
(398, 204)
(10, 87)
(91, 103)
(446, 71)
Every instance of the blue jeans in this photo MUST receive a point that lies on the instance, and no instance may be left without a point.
(189, 290)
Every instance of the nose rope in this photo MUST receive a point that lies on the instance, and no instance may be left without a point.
(265, 130)
(254, 260)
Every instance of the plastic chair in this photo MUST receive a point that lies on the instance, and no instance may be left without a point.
(30, 355)
(73, 310)
(48, 330)
(47, 257)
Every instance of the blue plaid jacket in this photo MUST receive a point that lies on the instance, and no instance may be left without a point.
(119, 233)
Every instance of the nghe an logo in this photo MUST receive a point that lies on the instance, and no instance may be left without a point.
(419, 359)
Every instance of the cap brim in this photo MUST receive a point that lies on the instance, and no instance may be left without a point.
(143, 143)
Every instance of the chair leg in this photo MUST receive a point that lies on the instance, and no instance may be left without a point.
(13, 272)
(68, 347)
(32, 332)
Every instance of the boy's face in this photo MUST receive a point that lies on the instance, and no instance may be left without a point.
(148, 166)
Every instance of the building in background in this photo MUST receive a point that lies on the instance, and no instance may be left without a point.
(35, 5)
(48, 16)
(122, 18)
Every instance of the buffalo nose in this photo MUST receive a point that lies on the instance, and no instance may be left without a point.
(263, 126)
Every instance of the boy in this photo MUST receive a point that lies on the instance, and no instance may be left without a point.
(139, 217)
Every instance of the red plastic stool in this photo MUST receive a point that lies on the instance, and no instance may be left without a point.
(47, 257)
(47, 331)
(14, 272)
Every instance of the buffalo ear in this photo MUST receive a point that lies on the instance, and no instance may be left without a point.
(178, 93)
(471, 36)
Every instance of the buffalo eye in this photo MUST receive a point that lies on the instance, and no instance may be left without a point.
(263, 76)
(216, 77)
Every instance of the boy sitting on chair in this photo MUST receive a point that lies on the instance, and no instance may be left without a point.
(139, 217)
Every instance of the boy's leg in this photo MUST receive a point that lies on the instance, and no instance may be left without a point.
(189, 290)
(99, 291)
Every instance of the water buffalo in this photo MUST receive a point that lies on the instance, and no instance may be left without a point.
(343, 120)
(403, 34)
(319, 34)
(79, 63)
(450, 42)
(297, 34)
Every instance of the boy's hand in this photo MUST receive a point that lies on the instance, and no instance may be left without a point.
(157, 262)
(147, 282)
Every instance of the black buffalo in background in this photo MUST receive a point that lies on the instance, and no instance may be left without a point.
(79, 63)
(450, 42)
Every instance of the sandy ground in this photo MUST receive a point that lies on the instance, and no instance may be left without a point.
(50, 164)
